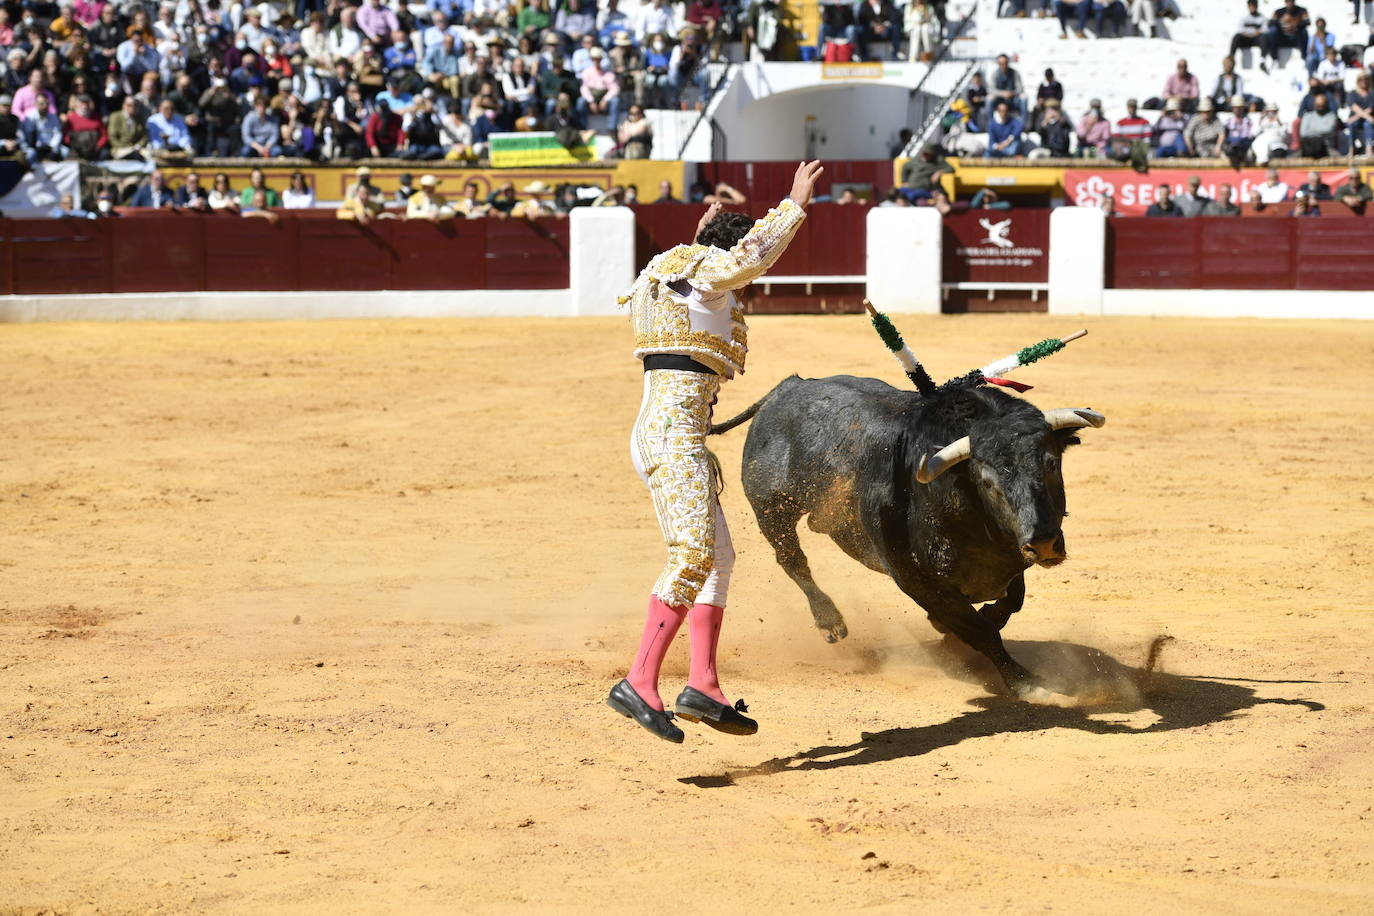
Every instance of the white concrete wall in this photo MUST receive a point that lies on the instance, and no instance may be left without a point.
(259, 306)
(1238, 303)
(601, 258)
(905, 247)
(1078, 260)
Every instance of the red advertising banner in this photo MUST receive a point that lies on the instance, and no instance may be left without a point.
(997, 246)
(1134, 193)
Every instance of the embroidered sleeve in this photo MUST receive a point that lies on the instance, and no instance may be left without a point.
(754, 254)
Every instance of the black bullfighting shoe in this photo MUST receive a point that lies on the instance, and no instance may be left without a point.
(695, 706)
(628, 703)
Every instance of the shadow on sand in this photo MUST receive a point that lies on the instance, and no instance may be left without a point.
(1099, 683)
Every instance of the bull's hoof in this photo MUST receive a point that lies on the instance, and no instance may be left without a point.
(834, 632)
(1037, 695)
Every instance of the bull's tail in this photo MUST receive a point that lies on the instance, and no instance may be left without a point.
(718, 428)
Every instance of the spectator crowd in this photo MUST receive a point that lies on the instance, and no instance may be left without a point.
(330, 79)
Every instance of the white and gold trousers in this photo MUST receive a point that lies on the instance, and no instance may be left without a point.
(668, 447)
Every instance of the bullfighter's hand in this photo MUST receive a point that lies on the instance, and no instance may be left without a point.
(804, 182)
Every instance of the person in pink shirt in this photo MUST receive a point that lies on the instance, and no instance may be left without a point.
(1094, 130)
(600, 89)
(87, 12)
(6, 30)
(1183, 86)
(25, 98)
(377, 21)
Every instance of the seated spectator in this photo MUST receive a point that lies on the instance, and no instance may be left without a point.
(657, 61)
(1094, 131)
(1271, 136)
(469, 205)
(383, 134)
(168, 133)
(723, 193)
(1109, 12)
(1078, 10)
(1131, 137)
(878, 23)
(1164, 204)
(1331, 74)
(191, 195)
(440, 65)
(67, 209)
(976, 97)
(457, 136)
(11, 143)
(1005, 131)
(1051, 88)
(837, 22)
(985, 199)
(26, 96)
(221, 109)
(1007, 87)
(1193, 201)
(535, 205)
(707, 15)
(1240, 132)
(260, 133)
(345, 40)
(154, 193)
(940, 201)
(86, 136)
(1223, 205)
(1229, 84)
(922, 27)
(574, 20)
(520, 88)
(41, 133)
(1205, 136)
(502, 201)
(128, 136)
(1317, 130)
(894, 198)
(1250, 33)
(1318, 44)
(600, 93)
(1315, 188)
(1354, 193)
(427, 203)
(1182, 85)
(687, 67)
(1056, 134)
(222, 196)
(361, 207)
(1287, 29)
(485, 124)
(1305, 205)
(665, 193)
(1362, 116)
(636, 135)
(1272, 190)
(423, 133)
(257, 181)
(846, 198)
(257, 207)
(1309, 101)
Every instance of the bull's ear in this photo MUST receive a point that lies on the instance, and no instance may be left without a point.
(1067, 437)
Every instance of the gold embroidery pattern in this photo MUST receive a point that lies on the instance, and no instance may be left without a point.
(670, 440)
(661, 322)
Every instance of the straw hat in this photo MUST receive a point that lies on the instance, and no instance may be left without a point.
(597, 53)
(363, 171)
(622, 40)
(551, 38)
(428, 181)
(1171, 105)
(537, 187)
(1237, 101)
(1205, 105)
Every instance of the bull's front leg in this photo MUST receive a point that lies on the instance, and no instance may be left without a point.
(952, 613)
(1000, 611)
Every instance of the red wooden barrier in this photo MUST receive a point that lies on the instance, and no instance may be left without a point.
(186, 252)
(1327, 253)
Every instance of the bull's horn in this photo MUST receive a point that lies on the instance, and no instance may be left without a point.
(946, 458)
(1074, 418)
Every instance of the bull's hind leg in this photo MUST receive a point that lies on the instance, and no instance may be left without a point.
(779, 526)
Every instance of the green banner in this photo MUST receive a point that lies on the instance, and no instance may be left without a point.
(535, 148)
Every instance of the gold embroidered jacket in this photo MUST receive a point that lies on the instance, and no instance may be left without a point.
(700, 318)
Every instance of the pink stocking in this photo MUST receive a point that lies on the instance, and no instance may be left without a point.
(703, 631)
(659, 630)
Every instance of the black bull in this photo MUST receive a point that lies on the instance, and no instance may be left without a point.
(954, 496)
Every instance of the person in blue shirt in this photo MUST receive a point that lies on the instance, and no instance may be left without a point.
(396, 98)
(66, 209)
(167, 131)
(1004, 133)
(401, 55)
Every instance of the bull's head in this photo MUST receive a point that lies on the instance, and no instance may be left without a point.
(1018, 477)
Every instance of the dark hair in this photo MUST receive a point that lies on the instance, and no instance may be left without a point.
(725, 230)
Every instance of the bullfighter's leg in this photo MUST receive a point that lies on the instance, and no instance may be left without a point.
(779, 525)
(1000, 611)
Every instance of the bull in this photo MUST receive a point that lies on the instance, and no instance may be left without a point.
(953, 494)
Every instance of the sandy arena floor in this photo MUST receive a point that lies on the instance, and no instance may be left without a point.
(319, 618)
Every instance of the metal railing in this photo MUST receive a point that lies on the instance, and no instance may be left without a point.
(932, 113)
